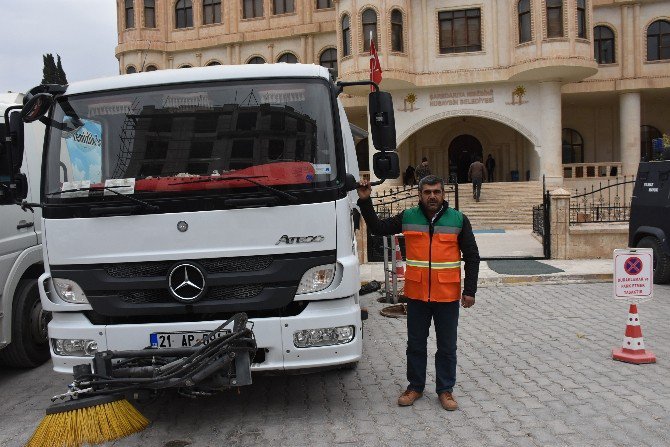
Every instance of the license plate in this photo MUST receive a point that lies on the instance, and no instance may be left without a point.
(181, 339)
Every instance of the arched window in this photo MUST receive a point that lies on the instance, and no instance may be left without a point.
(554, 18)
(396, 31)
(324, 4)
(130, 69)
(328, 59)
(130, 14)
(185, 66)
(573, 146)
(369, 17)
(525, 32)
(150, 13)
(658, 41)
(581, 19)
(211, 11)
(151, 68)
(256, 60)
(647, 134)
(346, 35)
(184, 14)
(213, 63)
(603, 44)
(289, 58)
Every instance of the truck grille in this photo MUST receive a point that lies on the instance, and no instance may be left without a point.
(213, 265)
(221, 293)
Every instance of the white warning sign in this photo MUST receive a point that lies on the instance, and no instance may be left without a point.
(633, 274)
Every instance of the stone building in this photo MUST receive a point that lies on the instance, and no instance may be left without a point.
(554, 88)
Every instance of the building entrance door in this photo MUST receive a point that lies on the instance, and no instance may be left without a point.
(463, 150)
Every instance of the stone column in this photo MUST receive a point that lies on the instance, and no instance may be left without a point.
(629, 125)
(550, 123)
(560, 223)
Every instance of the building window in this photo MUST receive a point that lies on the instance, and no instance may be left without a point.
(573, 146)
(525, 32)
(185, 66)
(184, 16)
(256, 60)
(130, 14)
(283, 6)
(396, 31)
(369, 17)
(289, 58)
(554, 18)
(460, 31)
(581, 19)
(603, 44)
(151, 68)
(324, 4)
(658, 41)
(130, 69)
(252, 8)
(328, 59)
(647, 134)
(211, 11)
(346, 35)
(150, 13)
(213, 63)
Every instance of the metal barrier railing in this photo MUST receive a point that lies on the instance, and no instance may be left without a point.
(391, 249)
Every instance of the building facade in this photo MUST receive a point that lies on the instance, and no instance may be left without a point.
(549, 88)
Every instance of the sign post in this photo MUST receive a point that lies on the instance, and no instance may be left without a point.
(633, 282)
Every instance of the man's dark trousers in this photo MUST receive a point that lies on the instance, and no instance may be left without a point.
(476, 188)
(419, 315)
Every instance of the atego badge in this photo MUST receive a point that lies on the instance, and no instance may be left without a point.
(286, 239)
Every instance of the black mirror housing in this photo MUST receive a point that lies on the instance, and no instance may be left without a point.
(382, 121)
(386, 165)
(36, 107)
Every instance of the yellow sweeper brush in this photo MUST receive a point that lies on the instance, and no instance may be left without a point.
(87, 421)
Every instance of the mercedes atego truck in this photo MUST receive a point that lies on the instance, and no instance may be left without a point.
(172, 200)
(23, 323)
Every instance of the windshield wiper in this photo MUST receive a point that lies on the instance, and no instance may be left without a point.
(290, 197)
(142, 203)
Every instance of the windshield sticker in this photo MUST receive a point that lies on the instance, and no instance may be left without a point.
(322, 169)
(110, 108)
(282, 96)
(85, 150)
(76, 184)
(197, 100)
(120, 185)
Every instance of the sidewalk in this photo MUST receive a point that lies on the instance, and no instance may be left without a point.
(571, 271)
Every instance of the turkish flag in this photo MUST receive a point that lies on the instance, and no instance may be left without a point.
(375, 66)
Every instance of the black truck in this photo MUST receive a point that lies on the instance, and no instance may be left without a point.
(650, 215)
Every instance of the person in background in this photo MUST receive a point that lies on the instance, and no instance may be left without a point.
(436, 237)
(490, 167)
(409, 178)
(422, 170)
(477, 174)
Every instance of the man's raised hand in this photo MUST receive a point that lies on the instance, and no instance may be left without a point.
(364, 189)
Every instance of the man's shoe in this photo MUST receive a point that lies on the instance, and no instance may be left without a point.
(448, 402)
(408, 397)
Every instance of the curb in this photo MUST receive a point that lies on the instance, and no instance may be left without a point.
(544, 279)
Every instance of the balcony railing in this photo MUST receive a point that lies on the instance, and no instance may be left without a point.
(608, 169)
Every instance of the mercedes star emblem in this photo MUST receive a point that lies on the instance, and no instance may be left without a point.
(186, 282)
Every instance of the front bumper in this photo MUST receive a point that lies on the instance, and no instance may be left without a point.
(274, 335)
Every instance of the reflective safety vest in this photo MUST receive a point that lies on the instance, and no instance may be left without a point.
(433, 270)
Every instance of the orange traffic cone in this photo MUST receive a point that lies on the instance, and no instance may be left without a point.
(399, 263)
(633, 350)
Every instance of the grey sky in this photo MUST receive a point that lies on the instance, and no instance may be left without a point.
(83, 32)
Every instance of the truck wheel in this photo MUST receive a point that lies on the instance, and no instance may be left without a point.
(661, 260)
(30, 341)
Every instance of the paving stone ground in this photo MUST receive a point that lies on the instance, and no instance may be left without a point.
(534, 370)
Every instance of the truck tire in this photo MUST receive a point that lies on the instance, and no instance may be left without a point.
(661, 259)
(30, 342)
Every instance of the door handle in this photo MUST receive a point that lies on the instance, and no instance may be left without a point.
(23, 224)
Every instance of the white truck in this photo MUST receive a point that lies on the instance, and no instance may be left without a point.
(23, 323)
(172, 200)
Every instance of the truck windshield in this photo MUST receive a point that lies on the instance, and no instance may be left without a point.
(187, 139)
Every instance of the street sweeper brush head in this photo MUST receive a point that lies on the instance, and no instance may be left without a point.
(87, 421)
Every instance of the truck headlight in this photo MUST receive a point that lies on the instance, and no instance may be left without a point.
(74, 347)
(69, 291)
(327, 336)
(317, 278)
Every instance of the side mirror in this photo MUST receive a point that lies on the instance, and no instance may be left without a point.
(36, 107)
(13, 184)
(382, 121)
(386, 165)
